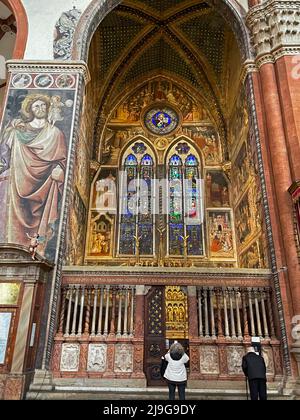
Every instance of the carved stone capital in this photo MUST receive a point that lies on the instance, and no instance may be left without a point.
(248, 67)
(275, 25)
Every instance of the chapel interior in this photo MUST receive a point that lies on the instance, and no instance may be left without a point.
(182, 57)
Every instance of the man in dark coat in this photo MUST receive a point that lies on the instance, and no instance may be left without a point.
(254, 368)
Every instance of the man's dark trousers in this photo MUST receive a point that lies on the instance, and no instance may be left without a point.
(258, 388)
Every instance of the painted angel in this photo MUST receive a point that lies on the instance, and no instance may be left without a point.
(55, 110)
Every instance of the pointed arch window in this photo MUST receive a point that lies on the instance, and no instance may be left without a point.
(185, 205)
(136, 203)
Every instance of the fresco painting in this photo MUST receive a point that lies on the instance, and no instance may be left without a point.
(77, 232)
(221, 234)
(217, 191)
(34, 149)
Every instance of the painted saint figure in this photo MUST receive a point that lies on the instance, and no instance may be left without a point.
(33, 152)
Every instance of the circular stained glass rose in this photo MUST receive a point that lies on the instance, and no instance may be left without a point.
(161, 121)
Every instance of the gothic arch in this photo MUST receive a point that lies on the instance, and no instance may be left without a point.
(233, 13)
(19, 12)
(182, 138)
(137, 138)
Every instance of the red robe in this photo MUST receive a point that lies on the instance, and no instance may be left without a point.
(33, 195)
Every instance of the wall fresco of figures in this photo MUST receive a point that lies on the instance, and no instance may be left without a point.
(221, 235)
(240, 172)
(102, 215)
(34, 148)
(160, 90)
(217, 189)
(239, 122)
(254, 256)
(82, 170)
(246, 190)
(77, 231)
(128, 121)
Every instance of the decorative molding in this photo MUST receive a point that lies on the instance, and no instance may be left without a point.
(284, 51)
(265, 59)
(275, 29)
(65, 28)
(30, 66)
(248, 68)
(294, 190)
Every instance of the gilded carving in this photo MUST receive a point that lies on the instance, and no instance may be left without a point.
(176, 312)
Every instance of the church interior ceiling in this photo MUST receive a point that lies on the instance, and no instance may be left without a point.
(187, 40)
(180, 56)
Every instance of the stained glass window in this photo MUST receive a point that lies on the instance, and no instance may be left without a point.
(136, 220)
(161, 120)
(185, 206)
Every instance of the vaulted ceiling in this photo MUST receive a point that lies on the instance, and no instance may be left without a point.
(184, 39)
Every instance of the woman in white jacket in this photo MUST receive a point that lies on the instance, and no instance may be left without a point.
(175, 373)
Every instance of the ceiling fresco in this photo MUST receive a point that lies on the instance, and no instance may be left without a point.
(187, 40)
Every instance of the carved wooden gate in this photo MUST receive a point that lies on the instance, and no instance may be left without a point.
(155, 345)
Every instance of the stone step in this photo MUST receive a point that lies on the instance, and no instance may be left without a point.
(132, 394)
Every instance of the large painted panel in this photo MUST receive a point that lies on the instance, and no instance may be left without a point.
(34, 148)
(221, 237)
(217, 189)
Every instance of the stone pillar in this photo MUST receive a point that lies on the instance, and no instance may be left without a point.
(25, 279)
(194, 346)
(274, 25)
(192, 312)
(139, 334)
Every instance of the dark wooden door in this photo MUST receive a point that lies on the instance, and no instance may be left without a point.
(155, 343)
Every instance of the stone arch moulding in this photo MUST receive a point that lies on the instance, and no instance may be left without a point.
(231, 11)
(19, 12)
